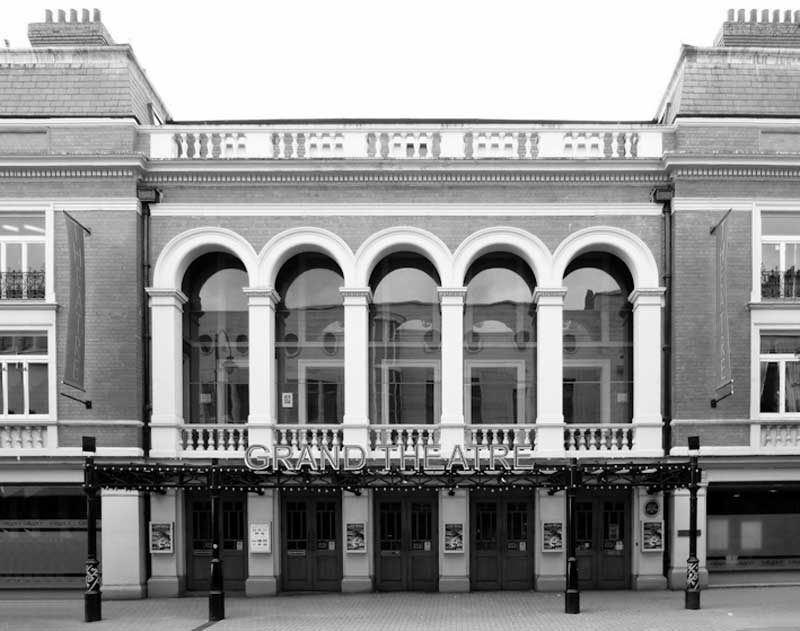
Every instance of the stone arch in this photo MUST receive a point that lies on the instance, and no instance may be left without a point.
(402, 239)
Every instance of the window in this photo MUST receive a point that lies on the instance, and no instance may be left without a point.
(499, 341)
(779, 362)
(404, 341)
(25, 388)
(215, 341)
(780, 255)
(598, 341)
(22, 254)
(309, 341)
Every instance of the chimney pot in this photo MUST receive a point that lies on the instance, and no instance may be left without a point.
(97, 15)
(754, 15)
(48, 16)
(731, 15)
(741, 15)
(62, 17)
(85, 15)
(765, 15)
(787, 17)
(73, 15)
(776, 15)
(797, 17)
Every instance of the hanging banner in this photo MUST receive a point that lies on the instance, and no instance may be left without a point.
(76, 316)
(723, 340)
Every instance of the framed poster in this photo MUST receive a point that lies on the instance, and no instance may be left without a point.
(261, 538)
(552, 536)
(356, 537)
(161, 537)
(454, 537)
(652, 536)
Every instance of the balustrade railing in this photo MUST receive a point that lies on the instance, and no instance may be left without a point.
(780, 435)
(22, 285)
(201, 439)
(521, 436)
(780, 285)
(599, 437)
(23, 436)
(404, 437)
(422, 142)
(313, 436)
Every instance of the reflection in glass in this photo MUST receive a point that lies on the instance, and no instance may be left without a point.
(309, 341)
(598, 341)
(500, 341)
(404, 341)
(215, 341)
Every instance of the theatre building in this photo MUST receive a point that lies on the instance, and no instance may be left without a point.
(527, 296)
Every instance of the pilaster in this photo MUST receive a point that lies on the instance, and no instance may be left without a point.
(451, 301)
(356, 363)
(122, 541)
(549, 370)
(261, 331)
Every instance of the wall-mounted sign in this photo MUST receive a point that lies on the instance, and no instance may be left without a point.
(287, 399)
(356, 537)
(454, 537)
(552, 536)
(261, 538)
(652, 536)
(161, 537)
(651, 508)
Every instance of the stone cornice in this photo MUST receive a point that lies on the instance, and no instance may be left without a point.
(166, 295)
(67, 172)
(549, 295)
(262, 295)
(356, 293)
(647, 295)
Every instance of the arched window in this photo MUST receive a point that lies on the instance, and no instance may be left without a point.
(405, 341)
(309, 341)
(499, 341)
(215, 341)
(598, 341)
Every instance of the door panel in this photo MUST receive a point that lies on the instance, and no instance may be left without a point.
(312, 550)
(502, 544)
(200, 539)
(406, 556)
(603, 542)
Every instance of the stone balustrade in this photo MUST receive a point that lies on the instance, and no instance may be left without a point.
(212, 440)
(404, 437)
(415, 142)
(780, 435)
(313, 436)
(595, 437)
(510, 436)
(22, 435)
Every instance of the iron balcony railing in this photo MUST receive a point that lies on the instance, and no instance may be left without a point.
(777, 285)
(22, 285)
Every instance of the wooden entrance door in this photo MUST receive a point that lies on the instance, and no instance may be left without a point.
(603, 542)
(407, 551)
(502, 543)
(233, 552)
(312, 544)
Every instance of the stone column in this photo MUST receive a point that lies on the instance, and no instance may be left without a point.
(647, 306)
(357, 567)
(454, 567)
(549, 370)
(549, 567)
(263, 567)
(356, 364)
(261, 332)
(678, 531)
(648, 565)
(168, 571)
(452, 367)
(122, 544)
(166, 311)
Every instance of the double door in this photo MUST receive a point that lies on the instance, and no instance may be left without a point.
(231, 523)
(603, 538)
(312, 543)
(407, 551)
(502, 543)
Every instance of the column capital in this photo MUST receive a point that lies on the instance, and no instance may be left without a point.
(653, 296)
(451, 295)
(356, 295)
(166, 297)
(261, 296)
(550, 296)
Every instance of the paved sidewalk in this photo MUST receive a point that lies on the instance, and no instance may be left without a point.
(752, 609)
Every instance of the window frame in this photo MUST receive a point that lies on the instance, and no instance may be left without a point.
(760, 239)
(605, 386)
(518, 364)
(389, 364)
(48, 359)
(302, 368)
(11, 207)
(780, 359)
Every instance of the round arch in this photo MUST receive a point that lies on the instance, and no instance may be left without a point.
(286, 244)
(184, 248)
(402, 239)
(621, 243)
(502, 239)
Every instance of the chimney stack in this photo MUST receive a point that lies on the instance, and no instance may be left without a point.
(768, 32)
(74, 33)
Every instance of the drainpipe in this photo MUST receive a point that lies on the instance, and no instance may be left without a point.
(146, 196)
(663, 195)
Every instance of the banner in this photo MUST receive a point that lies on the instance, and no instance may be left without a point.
(76, 334)
(723, 344)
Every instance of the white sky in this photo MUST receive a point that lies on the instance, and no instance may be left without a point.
(566, 60)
